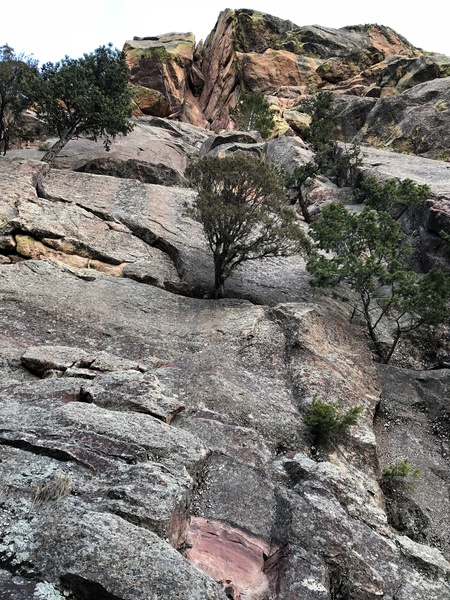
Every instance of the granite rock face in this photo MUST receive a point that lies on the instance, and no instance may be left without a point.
(153, 441)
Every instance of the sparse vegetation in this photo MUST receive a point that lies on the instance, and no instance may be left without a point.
(44, 147)
(399, 476)
(54, 489)
(253, 113)
(240, 204)
(328, 423)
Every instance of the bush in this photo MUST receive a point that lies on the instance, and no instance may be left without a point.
(327, 423)
(399, 476)
(253, 113)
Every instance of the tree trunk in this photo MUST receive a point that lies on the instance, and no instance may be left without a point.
(219, 279)
(51, 154)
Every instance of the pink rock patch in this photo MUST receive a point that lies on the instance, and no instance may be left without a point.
(229, 556)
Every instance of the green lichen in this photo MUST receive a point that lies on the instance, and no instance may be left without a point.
(444, 155)
(441, 105)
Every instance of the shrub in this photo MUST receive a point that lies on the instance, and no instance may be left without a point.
(327, 423)
(399, 476)
(253, 113)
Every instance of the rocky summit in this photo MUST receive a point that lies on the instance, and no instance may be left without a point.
(153, 440)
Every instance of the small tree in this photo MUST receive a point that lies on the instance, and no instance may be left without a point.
(340, 164)
(323, 119)
(253, 113)
(399, 477)
(240, 204)
(15, 75)
(84, 96)
(368, 253)
(328, 423)
(393, 196)
(301, 178)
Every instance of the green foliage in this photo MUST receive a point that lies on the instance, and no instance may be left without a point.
(298, 180)
(160, 54)
(15, 74)
(399, 476)
(85, 96)
(44, 147)
(327, 423)
(240, 204)
(340, 164)
(393, 196)
(253, 114)
(368, 253)
(323, 118)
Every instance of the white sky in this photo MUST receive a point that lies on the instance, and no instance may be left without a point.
(50, 29)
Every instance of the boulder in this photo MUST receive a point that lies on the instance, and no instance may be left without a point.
(156, 151)
(149, 102)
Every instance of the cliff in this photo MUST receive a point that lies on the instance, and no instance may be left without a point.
(153, 442)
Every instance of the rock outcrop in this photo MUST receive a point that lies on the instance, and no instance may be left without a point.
(145, 422)
(153, 441)
(255, 52)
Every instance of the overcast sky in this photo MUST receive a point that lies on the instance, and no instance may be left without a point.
(50, 29)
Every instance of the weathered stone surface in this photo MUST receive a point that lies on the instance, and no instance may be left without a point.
(43, 358)
(58, 227)
(413, 424)
(209, 541)
(150, 102)
(162, 63)
(89, 552)
(132, 391)
(156, 151)
(259, 71)
(15, 587)
(299, 122)
(231, 137)
(414, 122)
(352, 114)
(103, 478)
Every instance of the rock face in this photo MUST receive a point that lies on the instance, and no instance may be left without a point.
(415, 122)
(153, 441)
(256, 52)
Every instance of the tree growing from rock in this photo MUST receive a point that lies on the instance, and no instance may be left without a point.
(15, 75)
(298, 181)
(327, 422)
(339, 163)
(393, 196)
(252, 113)
(84, 96)
(240, 204)
(367, 251)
